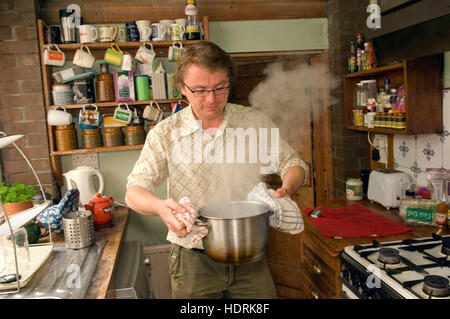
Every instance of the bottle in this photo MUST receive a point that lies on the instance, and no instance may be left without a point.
(371, 56)
(359, 49)
(192, 24)
(366, 56)
(387, 95)
(441, 217)
(352, 58)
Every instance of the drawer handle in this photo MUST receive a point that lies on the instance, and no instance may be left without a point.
(315, 294)
(317, 270)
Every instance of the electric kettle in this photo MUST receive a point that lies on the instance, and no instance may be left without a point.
(82, 178)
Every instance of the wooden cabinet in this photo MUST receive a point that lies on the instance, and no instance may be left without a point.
(422, 80)
(98, 51)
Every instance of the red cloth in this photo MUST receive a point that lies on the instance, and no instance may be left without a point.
(355, 221)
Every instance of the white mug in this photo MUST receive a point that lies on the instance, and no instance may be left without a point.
(159, 31)
(144, 54)
(107, 33)
(175, 51)
(56, 117)
(145, 30)
(88, 33)
(128, 63)
(176, 32)
(181, 21)
(121, 33)
(167, 23)
(84, 58)
(54, 57)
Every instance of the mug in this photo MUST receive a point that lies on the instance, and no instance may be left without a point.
(90, 119)
(114, 55)
(54, 57)
(121, 33)
(152, 113)
(144, 54)
(132, 32)
(56, 117)
(145, 31)
(128, 62)
(167, 23)
(107, 32)
(52, 34)
(88, 33)
(176, 32)
(175, 51)
(181, 21)
(159, 31)
(123, 115)
(84, 58)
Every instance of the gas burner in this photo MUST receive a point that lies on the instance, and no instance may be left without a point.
(389, 256)
(445, 250)
(436, 286)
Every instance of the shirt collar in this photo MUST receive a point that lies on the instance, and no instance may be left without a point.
(192, 124)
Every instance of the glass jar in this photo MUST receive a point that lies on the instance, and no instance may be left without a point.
(358, 117)
(361, 96)
(92, 138)
(112, 136)
(66, 137)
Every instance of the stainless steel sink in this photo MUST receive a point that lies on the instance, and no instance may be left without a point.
(66, 275)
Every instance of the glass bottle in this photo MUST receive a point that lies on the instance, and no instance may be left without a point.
(352, 58)
(192, 31)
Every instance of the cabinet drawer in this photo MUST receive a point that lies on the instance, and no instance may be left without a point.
(319, 272)
(316, 290)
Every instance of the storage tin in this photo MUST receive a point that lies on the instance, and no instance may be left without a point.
(112, 136)
(92, 138)
(66, 137)
(105, 88)
(134, 135)
(354, 189)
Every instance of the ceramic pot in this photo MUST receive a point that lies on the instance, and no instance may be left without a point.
(13, 208)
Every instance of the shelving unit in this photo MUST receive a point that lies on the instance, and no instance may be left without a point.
(98, 51)
(422, 80)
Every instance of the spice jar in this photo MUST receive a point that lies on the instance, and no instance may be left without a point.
(66, 137)
(134, 135)
(105, 88)
(92, 138)
(358, 117)
(112, 136)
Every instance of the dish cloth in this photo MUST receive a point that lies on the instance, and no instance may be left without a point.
(286, 215)
(354, 221)
(195, 232)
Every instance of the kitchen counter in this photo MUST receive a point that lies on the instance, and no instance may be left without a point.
(334, 246)
(112, 233)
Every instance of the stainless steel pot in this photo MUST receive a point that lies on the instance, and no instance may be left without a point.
(237, 231)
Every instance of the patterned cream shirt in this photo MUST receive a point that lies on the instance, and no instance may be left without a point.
(208, 167)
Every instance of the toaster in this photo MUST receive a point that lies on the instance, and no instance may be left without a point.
(388, 187)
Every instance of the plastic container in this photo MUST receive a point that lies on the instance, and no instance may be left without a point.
(62, 94)
(354, 189)
(66, 137)
(417, 211)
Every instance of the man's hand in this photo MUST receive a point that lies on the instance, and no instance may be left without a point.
(167, 214)
(281, 192)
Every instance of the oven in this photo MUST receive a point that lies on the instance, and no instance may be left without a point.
(408, 269)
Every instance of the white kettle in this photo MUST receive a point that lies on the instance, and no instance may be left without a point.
(82, 179)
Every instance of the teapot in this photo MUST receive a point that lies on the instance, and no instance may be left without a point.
(102, 209)
(82, 179)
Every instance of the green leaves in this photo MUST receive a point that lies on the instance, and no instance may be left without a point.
(16, 193)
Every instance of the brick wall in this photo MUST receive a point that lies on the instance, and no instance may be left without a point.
(21, 101)
(346, 18)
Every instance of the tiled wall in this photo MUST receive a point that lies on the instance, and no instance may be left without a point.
(413, 154)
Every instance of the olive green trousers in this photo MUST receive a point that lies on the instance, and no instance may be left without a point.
(194, 275)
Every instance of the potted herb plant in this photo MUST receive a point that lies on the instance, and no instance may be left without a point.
(17, 197)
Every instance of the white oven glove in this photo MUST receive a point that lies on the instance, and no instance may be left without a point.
(286, 215)
(188, 218)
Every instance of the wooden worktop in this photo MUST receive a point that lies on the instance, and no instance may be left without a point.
(334, 246)
(102, 280)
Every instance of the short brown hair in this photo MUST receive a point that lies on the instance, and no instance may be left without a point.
(205, 54)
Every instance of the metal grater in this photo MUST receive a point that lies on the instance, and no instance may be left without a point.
(78, 229)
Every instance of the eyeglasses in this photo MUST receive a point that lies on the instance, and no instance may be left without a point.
(217, 91)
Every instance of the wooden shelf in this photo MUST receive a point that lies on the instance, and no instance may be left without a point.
(377, 130)
(375, 71)
(99, 150)
(114, 104)
(122, 45)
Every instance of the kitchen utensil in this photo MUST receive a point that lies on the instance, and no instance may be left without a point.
(84, 58)
(159, 31)
(177, 31)
(123, 115)
(57, 117)
(88, 33)
(101, 208)
(145, 30)
(6, 279)
(82, 178)
(237, 231)
(144, 54)
(388, 187)
(88, 118)
(78, 229)
(152, 113)
(107, 33)
(54, 57)
(68, 21)
(113, 55)
(175, 51)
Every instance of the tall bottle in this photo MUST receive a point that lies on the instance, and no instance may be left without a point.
(192, 24)
(359, 49)
(352, 58)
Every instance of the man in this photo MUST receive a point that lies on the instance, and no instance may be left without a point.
(205, 73)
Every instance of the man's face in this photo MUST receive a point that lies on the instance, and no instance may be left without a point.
(211, 106)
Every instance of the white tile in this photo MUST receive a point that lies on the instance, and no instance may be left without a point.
(446, 109)
(446, 153)
(404, 150)
(445, 136)
(429, 151)
(407, 170)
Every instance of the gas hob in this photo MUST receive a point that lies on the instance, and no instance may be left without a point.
(410, 269)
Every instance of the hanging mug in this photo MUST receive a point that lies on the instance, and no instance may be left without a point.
(56, 117)
(128, 62)
(84, 58)
(175, 51)
(54, 57)
(144, 54)
(123, 115)
(152, 113)
(114, 55)
(89, 119)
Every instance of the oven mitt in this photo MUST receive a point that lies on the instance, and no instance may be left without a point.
(195, 232)
(286, 215)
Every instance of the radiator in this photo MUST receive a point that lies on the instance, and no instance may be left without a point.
(158, 257)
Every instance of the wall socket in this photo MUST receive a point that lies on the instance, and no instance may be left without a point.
(381, 143)
(88, 159)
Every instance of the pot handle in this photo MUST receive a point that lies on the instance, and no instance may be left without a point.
(201, 221)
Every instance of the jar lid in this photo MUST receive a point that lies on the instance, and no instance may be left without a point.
(65, 127)
(113, 129)
(352, 179)
(104, 77)
(134, 128)
(142, 75)
(91, 131)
